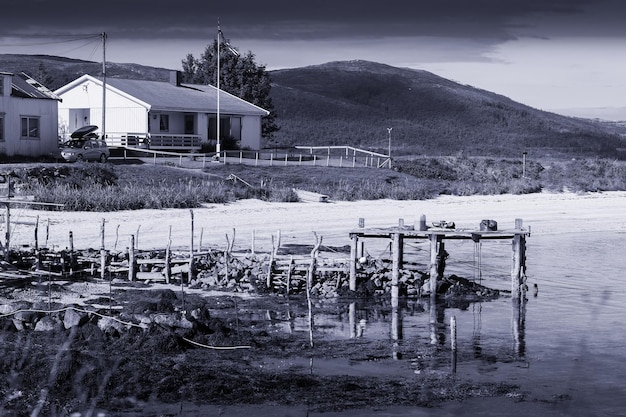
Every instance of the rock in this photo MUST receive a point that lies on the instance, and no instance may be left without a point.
(47, 324)
(108, 325)
(73, 318)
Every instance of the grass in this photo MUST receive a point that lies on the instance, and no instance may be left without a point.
(110, 187)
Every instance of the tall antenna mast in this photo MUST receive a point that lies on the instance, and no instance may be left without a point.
(104, 84)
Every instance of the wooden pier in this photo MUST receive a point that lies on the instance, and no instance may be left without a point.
(437, 237)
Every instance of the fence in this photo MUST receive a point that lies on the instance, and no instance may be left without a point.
(336, 156)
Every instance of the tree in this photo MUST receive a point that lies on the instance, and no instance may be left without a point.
(43, 77)
(240, 75)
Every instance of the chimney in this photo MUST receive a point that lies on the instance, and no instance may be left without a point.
(176, 78)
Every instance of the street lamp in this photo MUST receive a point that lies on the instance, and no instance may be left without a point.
(389, 129)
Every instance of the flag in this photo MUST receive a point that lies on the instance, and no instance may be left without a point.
(222, 38)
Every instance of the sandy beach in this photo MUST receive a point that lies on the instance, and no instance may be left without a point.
(550, 213)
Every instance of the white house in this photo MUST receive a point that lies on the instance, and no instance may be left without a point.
(28, 117)
(171, 115)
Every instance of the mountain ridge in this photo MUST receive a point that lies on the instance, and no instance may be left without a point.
(355, 102)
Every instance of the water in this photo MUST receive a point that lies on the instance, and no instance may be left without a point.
(565, 350)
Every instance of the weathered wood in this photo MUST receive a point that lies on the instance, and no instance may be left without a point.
(435, 239)
(103, 253)
(168, 265)
(395, 268)
(353, 260)
(518, 269)
(132, 264)
(150, 276)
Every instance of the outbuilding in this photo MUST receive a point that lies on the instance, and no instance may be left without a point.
(167, 115)
(28, 117)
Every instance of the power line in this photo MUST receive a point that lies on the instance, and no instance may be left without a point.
(72, 38)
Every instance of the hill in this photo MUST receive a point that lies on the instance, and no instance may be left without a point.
(354, 102)
(55, 72)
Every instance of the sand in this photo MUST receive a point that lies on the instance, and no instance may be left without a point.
(550, 213)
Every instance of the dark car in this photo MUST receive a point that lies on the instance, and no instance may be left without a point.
(84, 145)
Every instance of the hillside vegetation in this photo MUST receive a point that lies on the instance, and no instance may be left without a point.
(355, 102)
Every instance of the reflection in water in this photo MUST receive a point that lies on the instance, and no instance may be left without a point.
(519, 326)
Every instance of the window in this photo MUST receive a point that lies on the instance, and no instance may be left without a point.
(1, 127)
(30, 127)
(164, 123)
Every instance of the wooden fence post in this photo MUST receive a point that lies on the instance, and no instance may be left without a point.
(132, 272)
(103, 254)
(353, 248)
(168, 266)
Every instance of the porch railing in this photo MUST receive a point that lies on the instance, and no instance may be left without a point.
(154, 141)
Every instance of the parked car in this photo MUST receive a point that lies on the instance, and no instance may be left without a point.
(84, 145)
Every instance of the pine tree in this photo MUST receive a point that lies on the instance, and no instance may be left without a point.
(240, 75)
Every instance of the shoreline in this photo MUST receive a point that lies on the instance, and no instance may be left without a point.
(544, 212)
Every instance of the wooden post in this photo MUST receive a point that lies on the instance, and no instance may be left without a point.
(37, 234)
(168, 266)
(8, 233)
(252, 248)
(132, 264)
(289, 268)
(277, 243)
(270, 266)
(519, 263)
(191, 271)
(395, 268)
(353, 247)
(435, 240)
(103, 254)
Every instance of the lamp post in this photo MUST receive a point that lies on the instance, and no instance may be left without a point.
(389, 129)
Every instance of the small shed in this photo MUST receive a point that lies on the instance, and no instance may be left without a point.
(28, 117)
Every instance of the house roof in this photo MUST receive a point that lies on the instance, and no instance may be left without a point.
(26, 87)
(166, 96)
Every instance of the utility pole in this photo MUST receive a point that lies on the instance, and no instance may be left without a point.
(104, 84)
(389, 129)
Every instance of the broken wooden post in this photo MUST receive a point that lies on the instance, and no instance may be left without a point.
(519, 261)
(132, 263)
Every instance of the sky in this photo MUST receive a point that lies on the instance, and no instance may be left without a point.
(567, 56)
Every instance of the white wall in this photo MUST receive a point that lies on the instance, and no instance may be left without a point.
(122, 114)
(14, 108)
(251, 132)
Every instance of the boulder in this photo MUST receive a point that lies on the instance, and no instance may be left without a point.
(73, 318)
(47, 324)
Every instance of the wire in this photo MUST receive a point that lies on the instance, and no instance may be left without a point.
(48, 36)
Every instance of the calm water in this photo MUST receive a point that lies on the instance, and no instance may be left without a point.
(566, 350)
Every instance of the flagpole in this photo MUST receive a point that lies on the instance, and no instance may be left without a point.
(218, 147)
